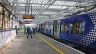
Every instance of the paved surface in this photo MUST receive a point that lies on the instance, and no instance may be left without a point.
(23, 45)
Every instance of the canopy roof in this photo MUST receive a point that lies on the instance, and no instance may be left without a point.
(44, 10)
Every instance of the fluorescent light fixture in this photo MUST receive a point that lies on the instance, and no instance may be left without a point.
(54, 7)
(21, 12)
(21, 4)
(22, 1)
(49, 13)
(34, 12)
(36, 5)
(69, 3)
(39, 1)
(83, 4)
(71, 8)
(36, 1)
(64, 7)
(58, 7)
(10, 0)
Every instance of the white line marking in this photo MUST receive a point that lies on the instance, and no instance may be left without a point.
(66, 45)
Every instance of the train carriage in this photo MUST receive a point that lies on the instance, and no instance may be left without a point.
(77, 30)
(80, 30)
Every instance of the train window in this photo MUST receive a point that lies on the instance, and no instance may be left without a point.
(78, 27)
(64, 27)
(70, 28)
(75, 27)
(82, 27)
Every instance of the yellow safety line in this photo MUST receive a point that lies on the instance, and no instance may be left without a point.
(50, 44)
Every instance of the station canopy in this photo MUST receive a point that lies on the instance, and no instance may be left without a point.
(44, 10)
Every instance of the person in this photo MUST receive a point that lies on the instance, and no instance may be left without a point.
(36, 30)
(29, 31)
(33, 30)
(16, 29)
(25, 30)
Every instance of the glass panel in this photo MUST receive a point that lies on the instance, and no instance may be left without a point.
(55, 25)
(83, 27)
(64, 27)
(75, 28)
(70, 28)
(78, 27)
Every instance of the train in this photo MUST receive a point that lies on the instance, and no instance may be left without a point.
(78, 30)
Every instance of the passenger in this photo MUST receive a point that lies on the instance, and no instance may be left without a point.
(39, 29)
(25, 30)
(16, 29)
(29, 31)
(32, 29)
(36, 29)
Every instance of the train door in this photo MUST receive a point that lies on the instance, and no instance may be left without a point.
(56, 28)
(52, 28)
(50, 25)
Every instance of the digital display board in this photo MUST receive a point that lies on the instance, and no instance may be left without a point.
(28, 17)
(27, 22)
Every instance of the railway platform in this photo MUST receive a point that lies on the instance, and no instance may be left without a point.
(39, 44)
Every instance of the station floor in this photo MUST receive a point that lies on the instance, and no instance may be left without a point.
(39, 44)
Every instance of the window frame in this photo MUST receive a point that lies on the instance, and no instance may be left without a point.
(76, 29)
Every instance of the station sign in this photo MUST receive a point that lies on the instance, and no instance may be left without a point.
(28, 17)
(28, 22)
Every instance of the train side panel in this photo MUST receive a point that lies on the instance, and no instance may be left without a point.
(81, 30)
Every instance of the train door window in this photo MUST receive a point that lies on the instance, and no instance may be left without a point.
(62, 27)
(55, 25)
